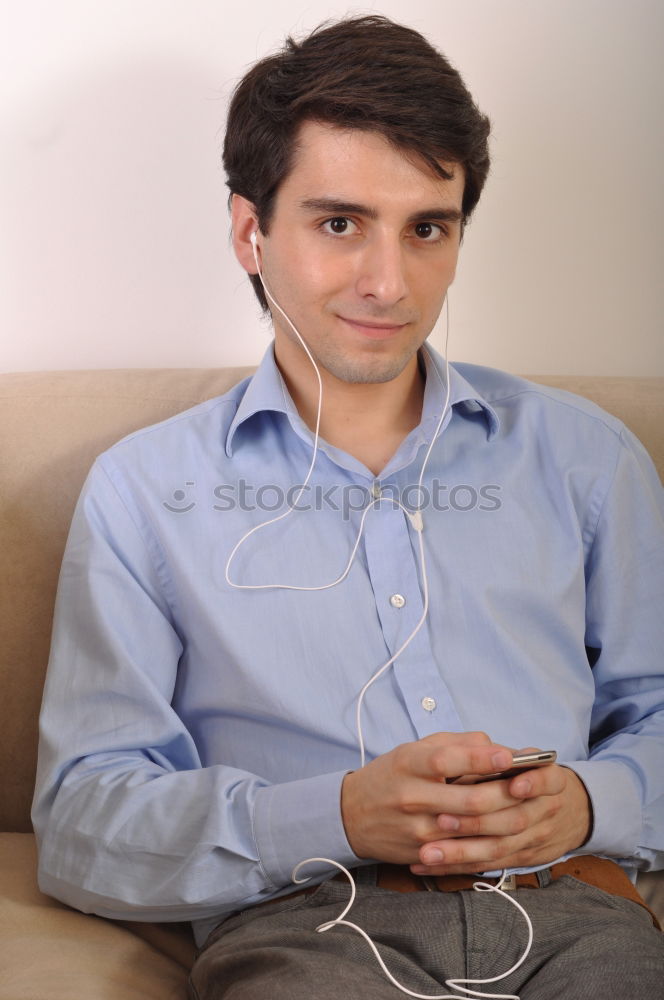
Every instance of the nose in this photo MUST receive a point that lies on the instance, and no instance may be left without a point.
(382, 270)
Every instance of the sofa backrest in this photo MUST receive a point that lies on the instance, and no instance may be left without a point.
(52, 425)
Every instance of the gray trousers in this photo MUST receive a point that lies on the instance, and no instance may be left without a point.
(588, 945)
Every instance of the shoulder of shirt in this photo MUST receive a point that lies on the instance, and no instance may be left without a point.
(220, 410)
(503, 390)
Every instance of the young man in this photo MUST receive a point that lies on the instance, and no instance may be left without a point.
(216, 685)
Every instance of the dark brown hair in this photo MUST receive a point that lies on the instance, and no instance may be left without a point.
(366, 73)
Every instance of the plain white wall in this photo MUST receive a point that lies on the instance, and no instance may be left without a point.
(113, 225)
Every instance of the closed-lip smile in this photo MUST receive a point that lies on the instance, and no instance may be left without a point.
(373, 328)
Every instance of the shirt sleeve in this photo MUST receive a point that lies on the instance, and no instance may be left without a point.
(624, 774)
(129, 823)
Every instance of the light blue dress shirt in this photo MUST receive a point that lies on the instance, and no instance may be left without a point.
(194, 736)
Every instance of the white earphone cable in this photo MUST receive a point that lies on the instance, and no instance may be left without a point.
(452, 984)
(414, 517)
(416, 521)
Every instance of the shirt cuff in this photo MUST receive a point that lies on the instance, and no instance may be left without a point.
(297, 820)
(615, 804)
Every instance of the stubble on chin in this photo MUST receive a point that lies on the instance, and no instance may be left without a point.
(372, 367)
(365, 371)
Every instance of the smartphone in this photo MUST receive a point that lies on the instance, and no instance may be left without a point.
(520, 762)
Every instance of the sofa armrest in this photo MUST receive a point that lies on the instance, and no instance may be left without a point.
(53, 952)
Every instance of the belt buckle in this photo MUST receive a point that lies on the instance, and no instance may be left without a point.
(509, 885)
(431, 884)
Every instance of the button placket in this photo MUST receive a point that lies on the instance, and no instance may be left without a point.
(393, 566)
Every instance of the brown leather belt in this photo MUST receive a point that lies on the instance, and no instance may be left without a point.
(599, 872)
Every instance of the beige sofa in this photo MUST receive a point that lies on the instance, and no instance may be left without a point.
(52, 424)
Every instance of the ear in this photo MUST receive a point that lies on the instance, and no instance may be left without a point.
(244, 223)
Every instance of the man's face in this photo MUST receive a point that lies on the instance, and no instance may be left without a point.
(362, 247)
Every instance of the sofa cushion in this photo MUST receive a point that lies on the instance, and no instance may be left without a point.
(50, 950)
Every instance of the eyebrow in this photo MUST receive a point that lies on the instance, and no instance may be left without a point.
(330, 206)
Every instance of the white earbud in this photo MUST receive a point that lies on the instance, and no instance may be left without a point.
(252, 240)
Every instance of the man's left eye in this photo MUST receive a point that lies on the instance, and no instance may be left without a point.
(428, 231)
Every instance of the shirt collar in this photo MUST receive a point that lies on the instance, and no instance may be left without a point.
(463, 396)
(267, 391)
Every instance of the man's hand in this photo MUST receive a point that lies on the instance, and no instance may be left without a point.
(399, 809)
(390, 807)
(550, 815)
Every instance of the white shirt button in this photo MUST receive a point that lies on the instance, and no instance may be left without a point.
(397, 600)
(428, 704)
(376, 491)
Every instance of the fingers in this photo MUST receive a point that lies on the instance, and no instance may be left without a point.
(473, 738)
(448, 755)
(549, 780)
(537, 842)
(505, 816)
(502, 823)
(542, 781)
(555, 819)
(468, 855)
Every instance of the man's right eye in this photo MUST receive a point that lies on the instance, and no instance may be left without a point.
(339, 225)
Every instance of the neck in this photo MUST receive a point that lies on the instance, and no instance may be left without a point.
(367, 420)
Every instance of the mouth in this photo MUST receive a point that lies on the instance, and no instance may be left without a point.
(374, 329)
